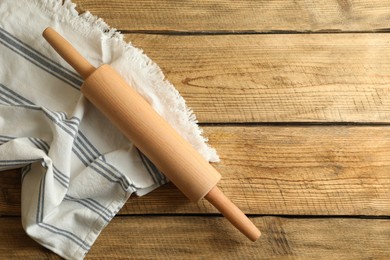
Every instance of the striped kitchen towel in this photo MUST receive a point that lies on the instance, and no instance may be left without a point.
(77, 169)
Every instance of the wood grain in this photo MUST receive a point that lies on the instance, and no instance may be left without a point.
(15, 244)
(277, 78)
(295, 170)
(162, 237)
(10, 192)
(241, 16)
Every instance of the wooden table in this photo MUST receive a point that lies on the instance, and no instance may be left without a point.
(294, 95)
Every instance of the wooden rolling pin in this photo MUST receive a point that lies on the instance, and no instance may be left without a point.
(151, 134)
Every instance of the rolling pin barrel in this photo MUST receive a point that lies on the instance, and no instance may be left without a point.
(151, 134)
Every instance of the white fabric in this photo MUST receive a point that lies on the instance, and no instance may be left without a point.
(78, 170)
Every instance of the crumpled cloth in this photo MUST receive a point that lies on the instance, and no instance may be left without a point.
(77, 169)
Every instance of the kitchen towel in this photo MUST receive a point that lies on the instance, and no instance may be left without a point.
(77, 169)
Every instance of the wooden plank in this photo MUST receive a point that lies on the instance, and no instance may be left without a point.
(204, 237)
(15, 244)
(236, 16)
(10, 192)
(296, 170)
(277, 78)
(318, 170)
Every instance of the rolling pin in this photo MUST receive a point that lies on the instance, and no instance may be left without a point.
(151, 134)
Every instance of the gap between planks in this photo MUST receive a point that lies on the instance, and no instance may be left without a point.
(216, 33)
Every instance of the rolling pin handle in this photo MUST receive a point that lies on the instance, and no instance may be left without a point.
(68, 53)
(232, 213)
